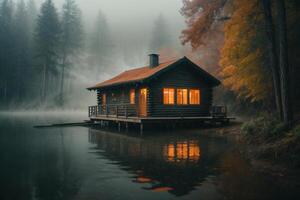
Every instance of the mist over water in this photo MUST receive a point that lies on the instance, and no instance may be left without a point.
(126, 29)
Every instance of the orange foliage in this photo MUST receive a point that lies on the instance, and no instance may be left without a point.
(200, 16)
(243, 55)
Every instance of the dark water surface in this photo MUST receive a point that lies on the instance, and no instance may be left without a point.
(85, 163)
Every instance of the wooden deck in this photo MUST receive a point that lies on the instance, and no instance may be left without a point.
(122, 115)
(157, 119)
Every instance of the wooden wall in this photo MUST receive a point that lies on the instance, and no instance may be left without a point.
(179, 77)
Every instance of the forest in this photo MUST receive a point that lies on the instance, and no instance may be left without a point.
(250, 45)
(257, 52)
(63, 137)
(49, 55)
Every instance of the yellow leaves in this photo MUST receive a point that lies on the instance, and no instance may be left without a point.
(228, 71)
(242, 57)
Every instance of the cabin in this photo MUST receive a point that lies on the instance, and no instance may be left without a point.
(172, 90)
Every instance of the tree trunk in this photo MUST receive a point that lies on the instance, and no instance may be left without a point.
(283, 63)
(61, 99)
(271, 45)
(5, 92)
(43, 98)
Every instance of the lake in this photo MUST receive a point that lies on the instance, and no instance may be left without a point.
(90, 163)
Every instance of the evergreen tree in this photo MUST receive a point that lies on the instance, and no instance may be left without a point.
(101, 46)
(21, 45)
(6, 48)
(48, 39)
(33, 66)
(32, 14)
(160, 36)
(71, 37)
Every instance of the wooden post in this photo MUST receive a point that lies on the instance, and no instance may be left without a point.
(106, 110)
(117, 110)
(141, 128)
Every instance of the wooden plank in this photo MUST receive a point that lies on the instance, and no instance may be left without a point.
(157, 119)
(85, 123)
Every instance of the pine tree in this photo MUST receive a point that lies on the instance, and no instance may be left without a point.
(33, 66)
(32, 14)
(71, 38)
(48, 39)
(160, 35)
(101, 47)
(6, 48)
(21, 46)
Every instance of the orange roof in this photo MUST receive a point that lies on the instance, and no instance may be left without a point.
(142, 73)
(137, 74)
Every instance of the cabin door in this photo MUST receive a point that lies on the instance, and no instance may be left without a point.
(143, 102)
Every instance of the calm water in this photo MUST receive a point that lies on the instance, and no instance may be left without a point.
(85, 163)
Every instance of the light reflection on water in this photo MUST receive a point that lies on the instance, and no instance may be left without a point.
(85, 163)
(186, 151)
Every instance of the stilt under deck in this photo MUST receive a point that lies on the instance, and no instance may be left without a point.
(124, 119)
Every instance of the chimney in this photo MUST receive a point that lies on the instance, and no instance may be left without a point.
(154, 60)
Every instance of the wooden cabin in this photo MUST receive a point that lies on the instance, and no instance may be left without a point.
(167, 90)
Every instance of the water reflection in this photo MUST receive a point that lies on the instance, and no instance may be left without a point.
(80, 163)
(187, 151)
(176, 164)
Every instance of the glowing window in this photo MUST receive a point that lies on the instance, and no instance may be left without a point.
(182, 96)
(132, 96)
(168, 95)
(194, 96)
(103, 99)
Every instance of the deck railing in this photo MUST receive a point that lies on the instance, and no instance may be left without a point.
(116, 110)
(218, 111)
(131, 110)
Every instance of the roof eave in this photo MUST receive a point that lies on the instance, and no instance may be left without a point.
(114, 85)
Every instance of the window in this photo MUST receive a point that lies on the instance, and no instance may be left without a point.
(194, 96)
(168, 95)
(182, 96)
(103, 99)
(132, 96)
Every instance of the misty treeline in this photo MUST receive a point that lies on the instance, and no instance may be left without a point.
(258, 42)
(47, 54)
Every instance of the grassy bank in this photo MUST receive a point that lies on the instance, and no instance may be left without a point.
(272, 140)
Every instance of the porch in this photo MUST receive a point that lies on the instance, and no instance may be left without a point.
(129, 114)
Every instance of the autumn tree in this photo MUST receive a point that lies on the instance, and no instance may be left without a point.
(254, 57)
(205, 20)
(200, 17)
(243, 56)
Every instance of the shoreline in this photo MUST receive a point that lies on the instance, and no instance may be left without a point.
(262, 165)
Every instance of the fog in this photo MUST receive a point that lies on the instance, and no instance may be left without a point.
(131, 23)
(130, 27)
